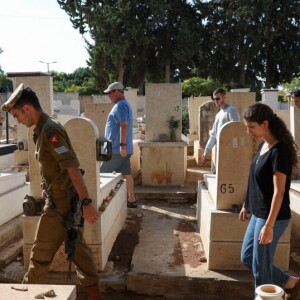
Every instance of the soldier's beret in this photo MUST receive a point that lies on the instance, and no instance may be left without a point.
(15, 96)
(296, 92)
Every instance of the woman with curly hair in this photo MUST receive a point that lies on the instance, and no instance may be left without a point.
(267, 198)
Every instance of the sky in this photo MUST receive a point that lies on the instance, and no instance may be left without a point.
(39, 30)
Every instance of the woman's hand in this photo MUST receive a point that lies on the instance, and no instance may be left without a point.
(243, 214)
(266, 235)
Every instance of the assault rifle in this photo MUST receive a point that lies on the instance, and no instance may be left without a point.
(73, 221)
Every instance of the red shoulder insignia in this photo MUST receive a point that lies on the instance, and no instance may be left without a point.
(53, 139)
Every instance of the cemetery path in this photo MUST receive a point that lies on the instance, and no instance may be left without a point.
(155, 225)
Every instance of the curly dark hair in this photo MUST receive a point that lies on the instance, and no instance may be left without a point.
(259, 113)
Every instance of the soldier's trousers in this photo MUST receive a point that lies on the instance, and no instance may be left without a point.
(50, 234)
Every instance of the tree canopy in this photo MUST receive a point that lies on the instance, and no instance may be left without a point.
(244, 43)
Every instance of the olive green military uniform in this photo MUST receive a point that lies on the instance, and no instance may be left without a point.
(55, 154)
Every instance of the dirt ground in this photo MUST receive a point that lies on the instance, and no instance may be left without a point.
(121, 255)
(128, 239)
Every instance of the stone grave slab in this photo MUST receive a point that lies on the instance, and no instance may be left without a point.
(11, 291)
(163, 163)
(222, 234)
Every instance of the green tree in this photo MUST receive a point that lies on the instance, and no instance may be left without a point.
(249, 41)
(79, 81)
(156, 41)
(289, 86)
(278, 58)
(5, 83)
(197, 86)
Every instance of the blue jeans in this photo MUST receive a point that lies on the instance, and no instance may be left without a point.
(259, 258)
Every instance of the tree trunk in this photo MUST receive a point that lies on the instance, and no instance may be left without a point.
(242, 80)
(168, 72)
(121, 71)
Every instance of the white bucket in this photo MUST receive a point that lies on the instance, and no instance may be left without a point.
(269, 292)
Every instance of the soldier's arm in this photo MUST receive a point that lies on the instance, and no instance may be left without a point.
(89, 212)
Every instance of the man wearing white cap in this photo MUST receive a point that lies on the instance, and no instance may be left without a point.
(118, 129)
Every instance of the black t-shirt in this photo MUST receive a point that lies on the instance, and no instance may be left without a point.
(260, 183)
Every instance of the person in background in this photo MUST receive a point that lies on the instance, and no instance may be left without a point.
(267, 198)
(61, 177)
(296, 97)
(226, 114)
(118, 129)
(2, 119)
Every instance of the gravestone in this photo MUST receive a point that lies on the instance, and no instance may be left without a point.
(132, 97)
(241, 100)
(163, 101)
(193, 107)
(83, 134)
(270, 98)
(235, 150)
(98, 113)
(163, 157)
(207, 114)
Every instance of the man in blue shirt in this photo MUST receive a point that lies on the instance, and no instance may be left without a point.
(118, 129)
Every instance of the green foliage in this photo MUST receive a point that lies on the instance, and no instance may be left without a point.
(173, 124)
(238, 43)
(5, 83)
(197, 86)
(288, 87)
(248, 42)
(157, 39)
(79, 81)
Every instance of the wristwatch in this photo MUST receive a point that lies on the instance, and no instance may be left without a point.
(86, 201)
(122, 144)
